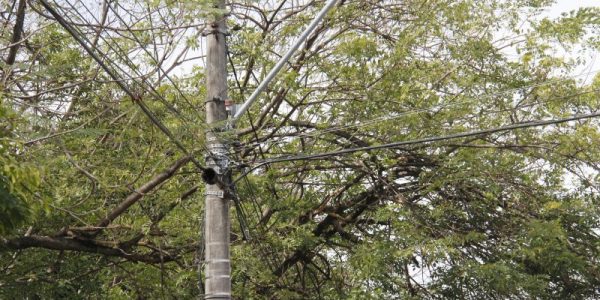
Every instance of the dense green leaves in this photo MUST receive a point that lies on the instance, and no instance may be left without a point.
(510, 215)
(18, 180)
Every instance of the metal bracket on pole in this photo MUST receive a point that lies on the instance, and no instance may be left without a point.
(218, 158)
(215, 31)
(219, 194)
(218, 149)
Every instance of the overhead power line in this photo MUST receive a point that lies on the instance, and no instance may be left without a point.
(155, 60)
(123, 56)
(123, 86)
(436, 108)
(422, 140)
(319, 132)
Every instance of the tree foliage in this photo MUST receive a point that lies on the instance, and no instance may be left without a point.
(98, 203)
(18, 179)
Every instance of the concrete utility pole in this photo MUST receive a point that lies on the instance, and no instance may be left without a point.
(217, 223)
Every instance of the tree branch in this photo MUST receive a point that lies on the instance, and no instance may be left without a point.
(89, 246)
(16, 37)
(139, 193)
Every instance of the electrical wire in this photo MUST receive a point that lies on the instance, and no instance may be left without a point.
(319, 132)
(261, 229)
(122, 85)
(149, 88)
(123, 56)
(426, 140)
(149, 54)
(200, 259)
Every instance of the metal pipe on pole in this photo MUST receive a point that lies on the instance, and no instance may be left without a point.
(217, 222)
(284, 59)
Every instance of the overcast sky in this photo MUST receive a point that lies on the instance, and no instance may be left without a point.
(561, 6)
(567, 5)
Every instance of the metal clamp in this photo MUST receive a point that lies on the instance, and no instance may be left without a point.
(214, 193)
(214, 99)
(217, 276)
(219, 152)
(217, 148)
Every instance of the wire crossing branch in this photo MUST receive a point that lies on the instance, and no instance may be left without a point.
(136, 98)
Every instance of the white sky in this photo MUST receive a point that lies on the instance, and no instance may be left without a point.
(554, 11)
(562, 6)
(568, 5)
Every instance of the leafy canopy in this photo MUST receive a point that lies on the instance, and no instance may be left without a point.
(97, 203)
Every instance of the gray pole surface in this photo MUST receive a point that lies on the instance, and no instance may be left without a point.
(217, 223)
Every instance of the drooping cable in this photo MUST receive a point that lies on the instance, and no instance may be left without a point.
(319, 132)
(149, 88)
(150, 55)
(123, 56)
(426, 140)
(135, 98)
